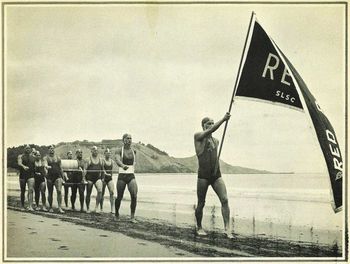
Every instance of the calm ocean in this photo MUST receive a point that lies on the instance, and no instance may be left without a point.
(292, 206)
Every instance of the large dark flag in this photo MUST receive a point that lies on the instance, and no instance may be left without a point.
(266, 74)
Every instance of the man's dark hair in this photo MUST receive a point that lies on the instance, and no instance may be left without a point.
(125, 135)
(204, 120)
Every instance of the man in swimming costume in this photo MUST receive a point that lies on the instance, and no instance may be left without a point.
(108, 165)
(94, 170)
(26, 175)
(54, 178)
(209, 172)
(33, 152)
(78, 181)
(68, 176)
(40, 172)
(125, 159)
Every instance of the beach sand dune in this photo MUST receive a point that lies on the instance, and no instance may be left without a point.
(106, 237)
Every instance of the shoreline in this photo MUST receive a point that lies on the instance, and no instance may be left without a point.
(55, 238)
(184, 238)
(263, 213)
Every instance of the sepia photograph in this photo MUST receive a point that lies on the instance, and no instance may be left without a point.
(174, 131)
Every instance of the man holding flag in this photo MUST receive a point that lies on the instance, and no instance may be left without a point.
(265, 74)
(209, 172)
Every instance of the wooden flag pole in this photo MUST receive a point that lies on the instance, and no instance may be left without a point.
(233, 93)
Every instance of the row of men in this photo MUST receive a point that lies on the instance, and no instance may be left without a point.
(37, 173)
(98, 173)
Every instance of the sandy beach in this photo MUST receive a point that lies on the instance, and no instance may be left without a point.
(285, 207)
(56, 238)
(166, 227)
(146, 238)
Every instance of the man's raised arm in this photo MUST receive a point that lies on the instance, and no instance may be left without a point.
(201, 135)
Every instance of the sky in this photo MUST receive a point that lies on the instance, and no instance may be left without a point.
(94, 72)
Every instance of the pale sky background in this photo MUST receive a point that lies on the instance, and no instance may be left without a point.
(95, 72)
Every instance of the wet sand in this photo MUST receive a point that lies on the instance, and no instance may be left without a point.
(32, 235)
(161, 237)
(300, 215)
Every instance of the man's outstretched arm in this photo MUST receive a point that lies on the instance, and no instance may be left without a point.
(201, 135)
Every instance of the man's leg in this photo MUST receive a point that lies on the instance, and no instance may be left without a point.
(98, 186)
(220, 189)
(120, 193)
(132, 187)
(110, 186)
(22, 185)
(37, 193)
(103, 194)
(81, 196)
(43, 196)
(73, 196)
(50, 194)
(30, 183)
(58, 186)
(202, 188)
(89, 186)
(66, 191)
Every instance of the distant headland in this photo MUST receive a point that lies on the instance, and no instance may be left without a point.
(150, 159)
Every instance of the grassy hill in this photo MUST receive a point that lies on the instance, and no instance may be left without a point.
(192, 163)
(149, 158)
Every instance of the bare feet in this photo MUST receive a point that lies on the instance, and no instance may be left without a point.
(201, 232)
(228, 234)
(133, 220)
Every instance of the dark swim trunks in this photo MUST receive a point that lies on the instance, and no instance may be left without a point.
(207, 161)
(39, 174)
(69, 177)
(77, 176)
(95, 171)
(108, 179)
(126, 177)
(55, 172)
(108, 169)
(27, 160)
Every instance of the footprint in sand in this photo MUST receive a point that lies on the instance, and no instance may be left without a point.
(32, 233)
(63, 248)
(55, 225)
(41, 221)
(82, 229)
(30, 228)
(103, 236)
(141, 243)
(54, 239)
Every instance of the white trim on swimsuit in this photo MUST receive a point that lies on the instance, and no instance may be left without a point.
(131, 168)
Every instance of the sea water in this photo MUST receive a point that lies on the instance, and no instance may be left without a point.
(285, 206)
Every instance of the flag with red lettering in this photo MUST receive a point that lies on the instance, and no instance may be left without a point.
(267, 75)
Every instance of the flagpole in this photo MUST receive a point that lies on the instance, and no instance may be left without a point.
(234, 92)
